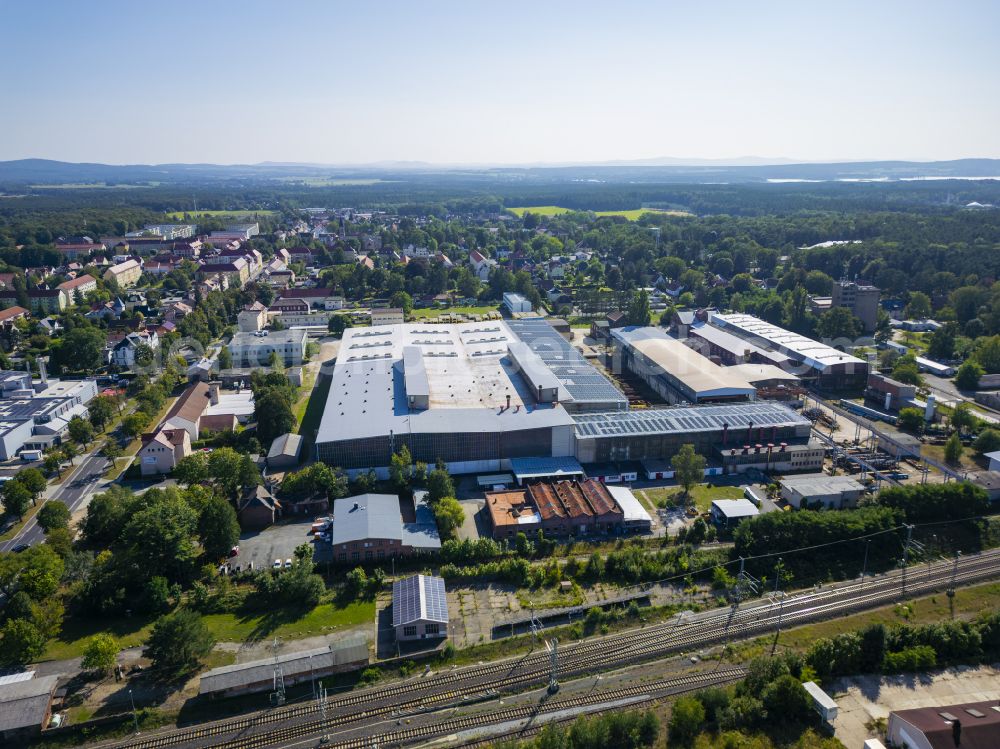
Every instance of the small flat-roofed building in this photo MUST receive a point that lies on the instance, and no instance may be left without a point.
(971, 725)
(415, 381)
(988, 481)
(531, 469)
(25, 705)
(515, 303)
(285, 452)
(634, 515)
(390, 316)
(251, 677)
(677, 373)
(419, 608)
(830, 492)
(728, 513)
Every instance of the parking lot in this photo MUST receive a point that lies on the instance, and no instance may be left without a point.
(276, 542)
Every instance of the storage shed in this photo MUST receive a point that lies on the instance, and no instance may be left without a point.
(419, 608)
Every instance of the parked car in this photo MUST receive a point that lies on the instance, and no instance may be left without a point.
(276, 565)
(21, 547)
(234, 551)
(288, 563)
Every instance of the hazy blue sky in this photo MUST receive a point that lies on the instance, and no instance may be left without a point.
(289, 80)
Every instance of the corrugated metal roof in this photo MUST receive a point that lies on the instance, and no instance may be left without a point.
(366, 516)
(353, 650)
(24, 703)
(686, 419)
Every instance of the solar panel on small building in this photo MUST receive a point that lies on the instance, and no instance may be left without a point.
(419, 598)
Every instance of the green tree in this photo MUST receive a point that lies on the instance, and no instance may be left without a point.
(218, 527)
(102, 410)
(962, 417)
(355, 582)
(16, 498)
(112, 451)
(968, 374)
(953, 449)
(910, 420)
(905, 370)
(988, 441)
(786, 699)
(988, 354)
(439, 485)
(919, 307)
(638, 309)
(838, 322)
(225, 358)
(192, 469)
(52, 464)
(101, 653)
(942, 345)
(401, 468)
(22, 642)
(449, 516)
(134, 424)
(686, 720)
(338, 324)
(33, 480)
(80, 350)
(273, 413)
(54, 514)
(81, 430)
(402, 300)
(689, 468)
(178, 642)
(36, 571)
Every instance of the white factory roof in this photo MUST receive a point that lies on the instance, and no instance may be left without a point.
(761, 372)
(703, 376)
(630, 506)
(469, 376)
(736, 508)
(733, 343)
(819, 484)
(818, 355)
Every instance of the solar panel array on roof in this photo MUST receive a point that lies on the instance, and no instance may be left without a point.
(419, 598)
(584, 383)
(685, 419)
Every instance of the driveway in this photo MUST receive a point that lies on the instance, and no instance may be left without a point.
(276, 542)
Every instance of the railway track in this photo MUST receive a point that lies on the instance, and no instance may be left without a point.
(681, 634)
(635, 694)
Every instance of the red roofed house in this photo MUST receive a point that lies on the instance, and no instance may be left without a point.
(12, 314)
(84, 283)
(163, 450)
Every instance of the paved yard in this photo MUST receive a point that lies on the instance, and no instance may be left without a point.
(474, 524)
(276, 542)
(865, 699)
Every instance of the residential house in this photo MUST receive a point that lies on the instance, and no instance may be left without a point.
(326, 299)
(255, 349)
(389, 316)
(42, 302)
(235, 271)
(177, 311)
(188, 409)
(258, 509)
(82, 285)
(11, 315)
(252, 318)
(163, 450)
(124, 274)
(124, 352)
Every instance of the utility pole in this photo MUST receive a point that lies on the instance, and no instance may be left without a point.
(321, 695)
(906, 553)
(864, 568)
(135, 716)
(778, 569)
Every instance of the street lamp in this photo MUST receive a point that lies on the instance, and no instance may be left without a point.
(135, 717)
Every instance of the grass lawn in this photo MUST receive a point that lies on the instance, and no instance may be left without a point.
(703, 494)
(968, 604)
(423, 313)
(313, 412)
(299, 409)
(554, 210)
(321, 620)
(77, 630)
(239, 215)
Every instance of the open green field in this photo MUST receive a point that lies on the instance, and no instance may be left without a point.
(554, 210)
(424, 313)
(236, 215)
(702, 495)
(321, 620)
(92, 186)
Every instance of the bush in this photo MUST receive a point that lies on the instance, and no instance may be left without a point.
(911, 659)
(686, 720)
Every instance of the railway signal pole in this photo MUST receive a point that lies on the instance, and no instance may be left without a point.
(864, 567)
(906, 554)
(321, 696)
(553, 646)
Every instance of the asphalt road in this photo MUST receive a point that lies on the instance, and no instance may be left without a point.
(74, 491)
